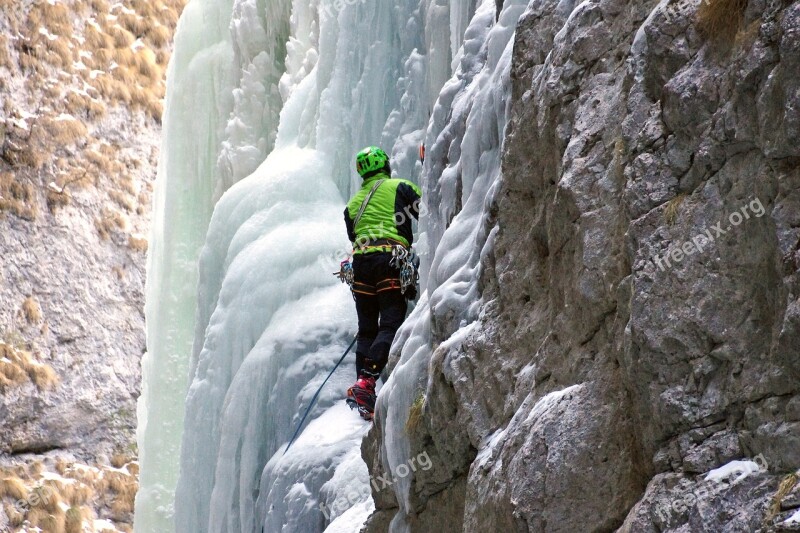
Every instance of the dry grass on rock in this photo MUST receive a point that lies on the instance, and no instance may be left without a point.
(18, 367)
(721, 19)
(70, 496)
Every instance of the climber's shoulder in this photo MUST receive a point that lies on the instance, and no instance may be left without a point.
(407, 187)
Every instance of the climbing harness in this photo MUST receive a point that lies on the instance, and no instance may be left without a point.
(345, 273)
(314, 399)
(406, 261)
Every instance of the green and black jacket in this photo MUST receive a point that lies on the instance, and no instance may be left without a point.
(387, 218)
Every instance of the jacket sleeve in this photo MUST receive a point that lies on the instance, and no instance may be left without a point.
(351, 232)
(410, 195)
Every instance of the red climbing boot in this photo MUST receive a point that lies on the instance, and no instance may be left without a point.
(361, 396)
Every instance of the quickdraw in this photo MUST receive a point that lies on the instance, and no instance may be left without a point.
(407, 261)
(345, 273)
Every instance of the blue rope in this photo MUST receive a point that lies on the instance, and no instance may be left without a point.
(314, 399)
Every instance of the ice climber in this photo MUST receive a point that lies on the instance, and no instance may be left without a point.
(378, 220)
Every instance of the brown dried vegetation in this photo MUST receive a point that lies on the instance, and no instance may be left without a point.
(721, 19)
(79, 60)
(13, 488)
(18, 367)
(110, 221)
(123, 200)
(137, 243)
(65, 130)
(31, 310)
(5, 58)
(65, 505)
(17, 197)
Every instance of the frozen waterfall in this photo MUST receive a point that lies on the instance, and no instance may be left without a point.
(267, 103)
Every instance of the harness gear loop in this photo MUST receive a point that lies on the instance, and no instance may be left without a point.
(406, 261)
(346, 274)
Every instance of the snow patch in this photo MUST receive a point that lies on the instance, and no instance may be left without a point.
(121, 7)
(794, 519)
(548, 401)
(52, 476)
(352, 520)
(100, 525)
(489, 446)
(21, 120)
(46, 33)
(83, 92)
(740, 469)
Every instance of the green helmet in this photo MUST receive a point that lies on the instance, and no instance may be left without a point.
(371, 159)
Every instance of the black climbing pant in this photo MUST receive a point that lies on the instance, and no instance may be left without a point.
(381, 309)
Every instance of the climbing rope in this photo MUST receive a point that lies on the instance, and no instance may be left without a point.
(316, 395)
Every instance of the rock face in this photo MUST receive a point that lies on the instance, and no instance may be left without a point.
(81, 83)
(640, 320)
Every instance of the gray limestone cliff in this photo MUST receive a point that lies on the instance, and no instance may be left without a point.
(640, 319)
(81, 84)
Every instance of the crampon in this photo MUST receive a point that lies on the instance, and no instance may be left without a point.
(361, 396)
